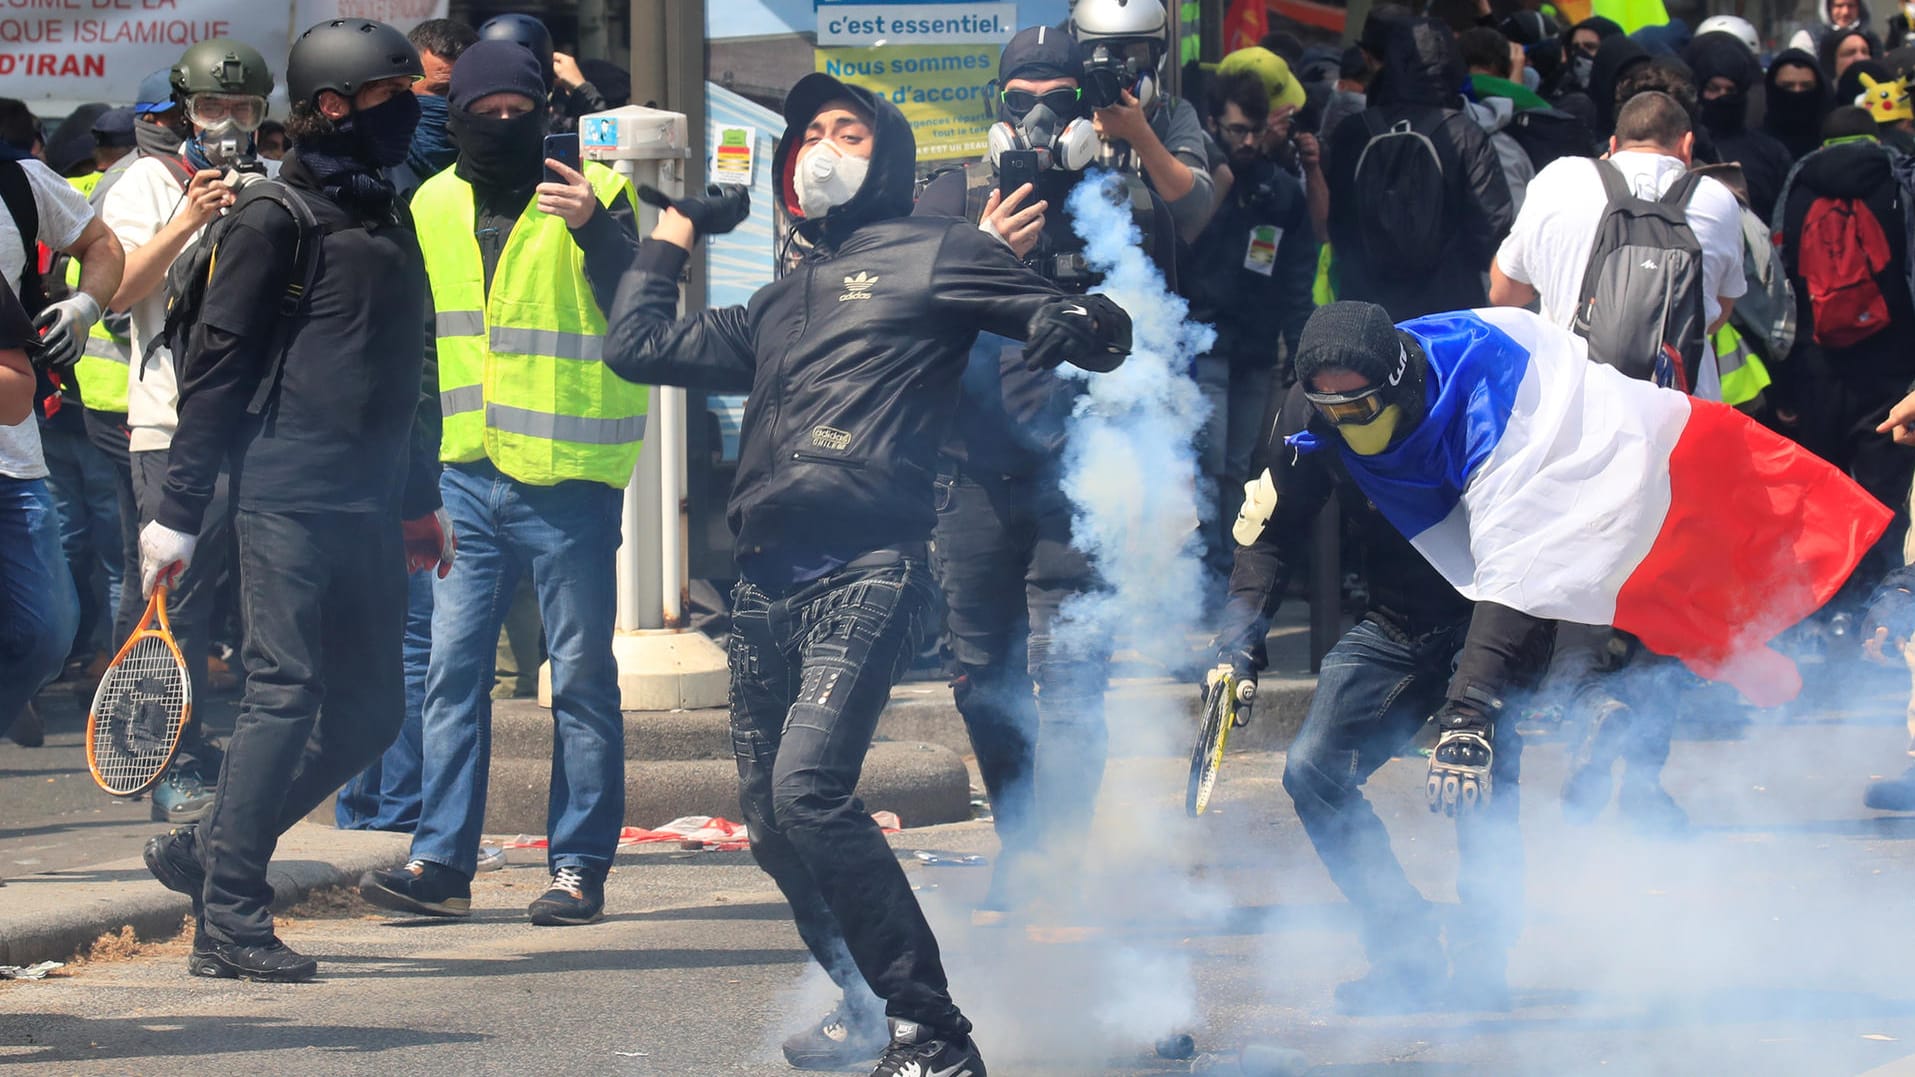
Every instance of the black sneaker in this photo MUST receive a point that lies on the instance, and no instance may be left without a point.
(421, 888)
(273, 963)
(1892, 794)
(844, 1036)
(173, 858)
(917, 1051)
(576, 896)
(1396, 987)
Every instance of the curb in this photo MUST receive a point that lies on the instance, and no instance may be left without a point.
(53, 916)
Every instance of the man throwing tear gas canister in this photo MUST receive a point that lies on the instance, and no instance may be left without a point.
(852, 361)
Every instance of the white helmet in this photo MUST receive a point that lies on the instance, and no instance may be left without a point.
(1734, 25)
(1092, 19)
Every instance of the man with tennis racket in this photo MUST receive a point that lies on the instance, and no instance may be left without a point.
(1420, 650)
(319, 421)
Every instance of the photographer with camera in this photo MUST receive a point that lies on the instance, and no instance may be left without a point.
(1144, 129)
(1004, 554)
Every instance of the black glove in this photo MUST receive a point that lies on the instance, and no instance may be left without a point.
(723, 206)
(1241, 673)
(1459, 779)
(1088, 331)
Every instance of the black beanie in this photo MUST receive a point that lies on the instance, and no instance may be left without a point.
(1357, 337)
(489, 67)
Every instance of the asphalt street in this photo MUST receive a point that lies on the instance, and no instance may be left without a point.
(1774, 939)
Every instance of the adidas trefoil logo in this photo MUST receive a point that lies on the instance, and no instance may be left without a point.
(857, 286)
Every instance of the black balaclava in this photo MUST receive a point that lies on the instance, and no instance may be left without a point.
(1360, 337)
(1795, 118)
(498, 155)
(1720, 55)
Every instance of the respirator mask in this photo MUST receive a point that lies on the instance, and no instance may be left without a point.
(226, 123)
(827, 177)
(1049, 123)
(1114, 65)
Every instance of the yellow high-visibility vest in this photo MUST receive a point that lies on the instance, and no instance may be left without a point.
(107, 362)
(522, 380)
(1743, 374)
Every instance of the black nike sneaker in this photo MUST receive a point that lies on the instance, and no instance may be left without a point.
(917, 1051)
(274, 962)
(421, 888)
(173, 858)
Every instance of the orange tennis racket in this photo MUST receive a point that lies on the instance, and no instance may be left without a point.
(141, 707)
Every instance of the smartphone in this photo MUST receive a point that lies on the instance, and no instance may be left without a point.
(1015, 168)
(564, 149)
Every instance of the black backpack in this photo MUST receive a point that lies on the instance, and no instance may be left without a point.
(1546, 134)
(1641, 306)
(187, 278)
(17, 192)
(1399, 184)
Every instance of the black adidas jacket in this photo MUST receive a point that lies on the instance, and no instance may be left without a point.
(852, 360)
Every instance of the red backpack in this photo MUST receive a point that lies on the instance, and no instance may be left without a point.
(1841, 248)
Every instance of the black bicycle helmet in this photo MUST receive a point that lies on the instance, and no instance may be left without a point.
(525, 30)
(342, 55)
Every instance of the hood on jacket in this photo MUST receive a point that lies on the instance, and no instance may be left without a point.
(1849, 88)
(1863, 17)
(1832, 41)
(1722, 55)
(1605, 28)
(887, 188)
(1421, 66)
(1795, 119)
(1617, 55)
(1848, 170)
(1668, 39)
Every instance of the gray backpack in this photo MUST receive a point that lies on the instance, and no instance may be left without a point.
(1641, 307)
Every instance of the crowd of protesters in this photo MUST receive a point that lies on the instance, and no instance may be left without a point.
(492, 317)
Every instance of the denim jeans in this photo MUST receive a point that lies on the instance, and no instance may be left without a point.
(567, 537)
(388, 795)
(811, 670)
(1239, 396)
(38, 607)
(1006, 563)
(322, 601)
(1376, 688)
(81, 479)
(1596, 663)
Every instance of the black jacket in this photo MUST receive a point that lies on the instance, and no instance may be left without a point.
(1253, 310)
(1405, 592)
(1764, 159)
(1422, 80)
(1011, 420)
(852, 360)
(344, 431)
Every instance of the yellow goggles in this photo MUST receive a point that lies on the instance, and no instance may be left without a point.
(1348, 409)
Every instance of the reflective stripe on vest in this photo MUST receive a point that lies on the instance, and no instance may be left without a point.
(106, 363)
(521, 377)
(1743, 374)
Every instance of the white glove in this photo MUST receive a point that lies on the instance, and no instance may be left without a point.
(164, 555)
(63, 328)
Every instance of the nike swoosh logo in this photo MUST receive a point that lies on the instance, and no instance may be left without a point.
(1081, 312)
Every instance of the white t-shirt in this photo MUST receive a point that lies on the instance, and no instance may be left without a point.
(1548, 246)
(136, 209)
(64, 214)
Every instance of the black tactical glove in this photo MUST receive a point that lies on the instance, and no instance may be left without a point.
(723, 206)
(1459, 780)
(1088, 331)
(1238, 671)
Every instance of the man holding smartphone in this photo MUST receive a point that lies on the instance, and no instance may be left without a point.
(524, 254)
(1004, 553)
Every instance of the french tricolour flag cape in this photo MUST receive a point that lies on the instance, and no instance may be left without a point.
(1561, 488)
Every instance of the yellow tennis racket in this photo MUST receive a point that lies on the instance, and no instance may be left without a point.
(141, 707)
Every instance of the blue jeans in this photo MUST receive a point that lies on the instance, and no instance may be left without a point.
(38, 607)
(84, 487)
(1376, 689)
(567, 537)
(388, 795)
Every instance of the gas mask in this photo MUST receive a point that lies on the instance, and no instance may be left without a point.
(827, 177)
(1039, 124)
(1114, 65)
(226, 123)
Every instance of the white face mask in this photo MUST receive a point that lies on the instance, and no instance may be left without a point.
(826, 176)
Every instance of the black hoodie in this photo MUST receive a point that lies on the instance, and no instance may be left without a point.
(1764, 159)
(1795, 119)
(1421, 80)
(852, 360)
(1614, 58)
